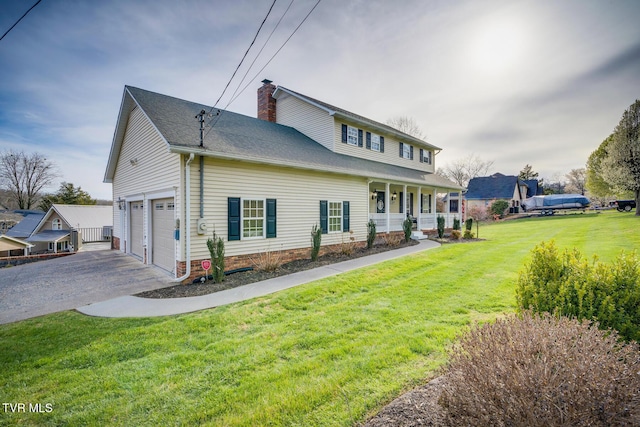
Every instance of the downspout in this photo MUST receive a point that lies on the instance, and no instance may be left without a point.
(201, 187)
(187, 193)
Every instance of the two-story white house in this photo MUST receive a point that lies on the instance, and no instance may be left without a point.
(182, 170)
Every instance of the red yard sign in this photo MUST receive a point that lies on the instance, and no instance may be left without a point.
(206, 264)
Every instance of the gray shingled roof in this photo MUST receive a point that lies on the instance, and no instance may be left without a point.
(496, 186)
(235, 136)
(25, 227)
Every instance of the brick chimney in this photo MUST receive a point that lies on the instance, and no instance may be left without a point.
(266, 102)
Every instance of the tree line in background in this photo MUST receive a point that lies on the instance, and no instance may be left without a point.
(23, 178)
(613, 169)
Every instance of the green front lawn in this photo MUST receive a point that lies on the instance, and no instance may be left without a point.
(332, 352)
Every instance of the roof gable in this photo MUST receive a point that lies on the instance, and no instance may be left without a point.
(79, 216)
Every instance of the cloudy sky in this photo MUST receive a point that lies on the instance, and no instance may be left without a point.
(538, 82)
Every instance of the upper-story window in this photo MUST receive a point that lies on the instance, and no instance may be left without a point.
(406, 151)
(56, 224)
(352, 136)
(375, 142)
(426, 156)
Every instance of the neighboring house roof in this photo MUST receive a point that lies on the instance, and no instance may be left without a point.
(48, 236)
(533, 188)
(496, 186)
(8, 243)
(84, 216)
(238, 137)
(26, 227)
(339, 112)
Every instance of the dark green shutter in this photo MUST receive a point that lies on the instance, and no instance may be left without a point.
(359, 137)
(271, 218)
(368, 140)
(344, 133)
(233, 218)
(324, 216)
(421, 155)
(345, 216)
(401, 149)
(382, 144)
(411, 152)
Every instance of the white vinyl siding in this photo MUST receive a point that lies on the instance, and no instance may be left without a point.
(308, 119)
(298, 194)
(391, 149)
(144, 166)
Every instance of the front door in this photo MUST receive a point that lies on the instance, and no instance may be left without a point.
(380, 202)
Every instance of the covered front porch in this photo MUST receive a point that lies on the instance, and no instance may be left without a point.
(390, 203)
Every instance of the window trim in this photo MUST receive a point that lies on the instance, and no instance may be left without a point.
(352, 136)
(329, 216)
(264, 218)
(56, 224)
(406, 151)
(375, 136)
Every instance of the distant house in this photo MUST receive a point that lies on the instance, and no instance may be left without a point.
(261, 183)
(64, 228)
(482, 191)
(11, 246)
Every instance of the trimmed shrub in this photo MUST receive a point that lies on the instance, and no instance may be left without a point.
(499, 207)
(456, 234)
(316, 240)
(569, 285)
(407, 227)
(532, 370)
(371, 233)
(440, 220)
(468, 224)
(468, 235)
(216, 249)
(456, 224)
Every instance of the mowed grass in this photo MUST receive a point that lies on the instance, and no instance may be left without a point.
(329, 353)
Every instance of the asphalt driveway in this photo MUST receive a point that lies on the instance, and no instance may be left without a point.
(73, 281)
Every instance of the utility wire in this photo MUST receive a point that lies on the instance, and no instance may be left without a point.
(259, 53)
(278, 51)
(245, 55)
(213, 123)
(25, 14)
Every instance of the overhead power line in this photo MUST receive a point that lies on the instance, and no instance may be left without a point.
(244, 56)
(25, 14)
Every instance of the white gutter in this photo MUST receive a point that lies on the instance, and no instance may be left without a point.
(187, 205)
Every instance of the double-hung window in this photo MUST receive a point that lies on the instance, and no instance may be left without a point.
(335, 217)
(252, 218)
(406, 151)
(375, 142)
(352, 136)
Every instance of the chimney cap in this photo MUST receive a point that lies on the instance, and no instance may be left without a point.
(267, 81)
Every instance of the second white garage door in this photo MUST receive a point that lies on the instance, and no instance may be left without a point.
(163, 224)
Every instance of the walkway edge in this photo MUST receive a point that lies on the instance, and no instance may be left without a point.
(130, 306)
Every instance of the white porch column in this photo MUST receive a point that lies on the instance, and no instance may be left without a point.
(387, 206)
(447, 210)
(434, 207)
(419, 208)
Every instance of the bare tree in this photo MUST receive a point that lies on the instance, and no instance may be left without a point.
(406, 125)
(461, 171)
(577, 181)
(24, 176)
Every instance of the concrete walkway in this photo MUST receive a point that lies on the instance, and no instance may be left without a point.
(130, 306)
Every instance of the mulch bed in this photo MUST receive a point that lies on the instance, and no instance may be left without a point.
(418, 407)
(244, 278)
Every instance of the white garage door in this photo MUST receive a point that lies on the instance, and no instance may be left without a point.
(136, 227)
(163, 224)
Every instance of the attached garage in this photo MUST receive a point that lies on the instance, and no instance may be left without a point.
(162, 235)
(136, 228)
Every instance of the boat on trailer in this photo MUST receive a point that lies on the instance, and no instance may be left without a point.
(547, 205)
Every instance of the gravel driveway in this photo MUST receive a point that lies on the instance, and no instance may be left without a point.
(73, 281)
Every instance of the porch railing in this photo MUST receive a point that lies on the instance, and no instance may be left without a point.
(423, 221)
(96, 234)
